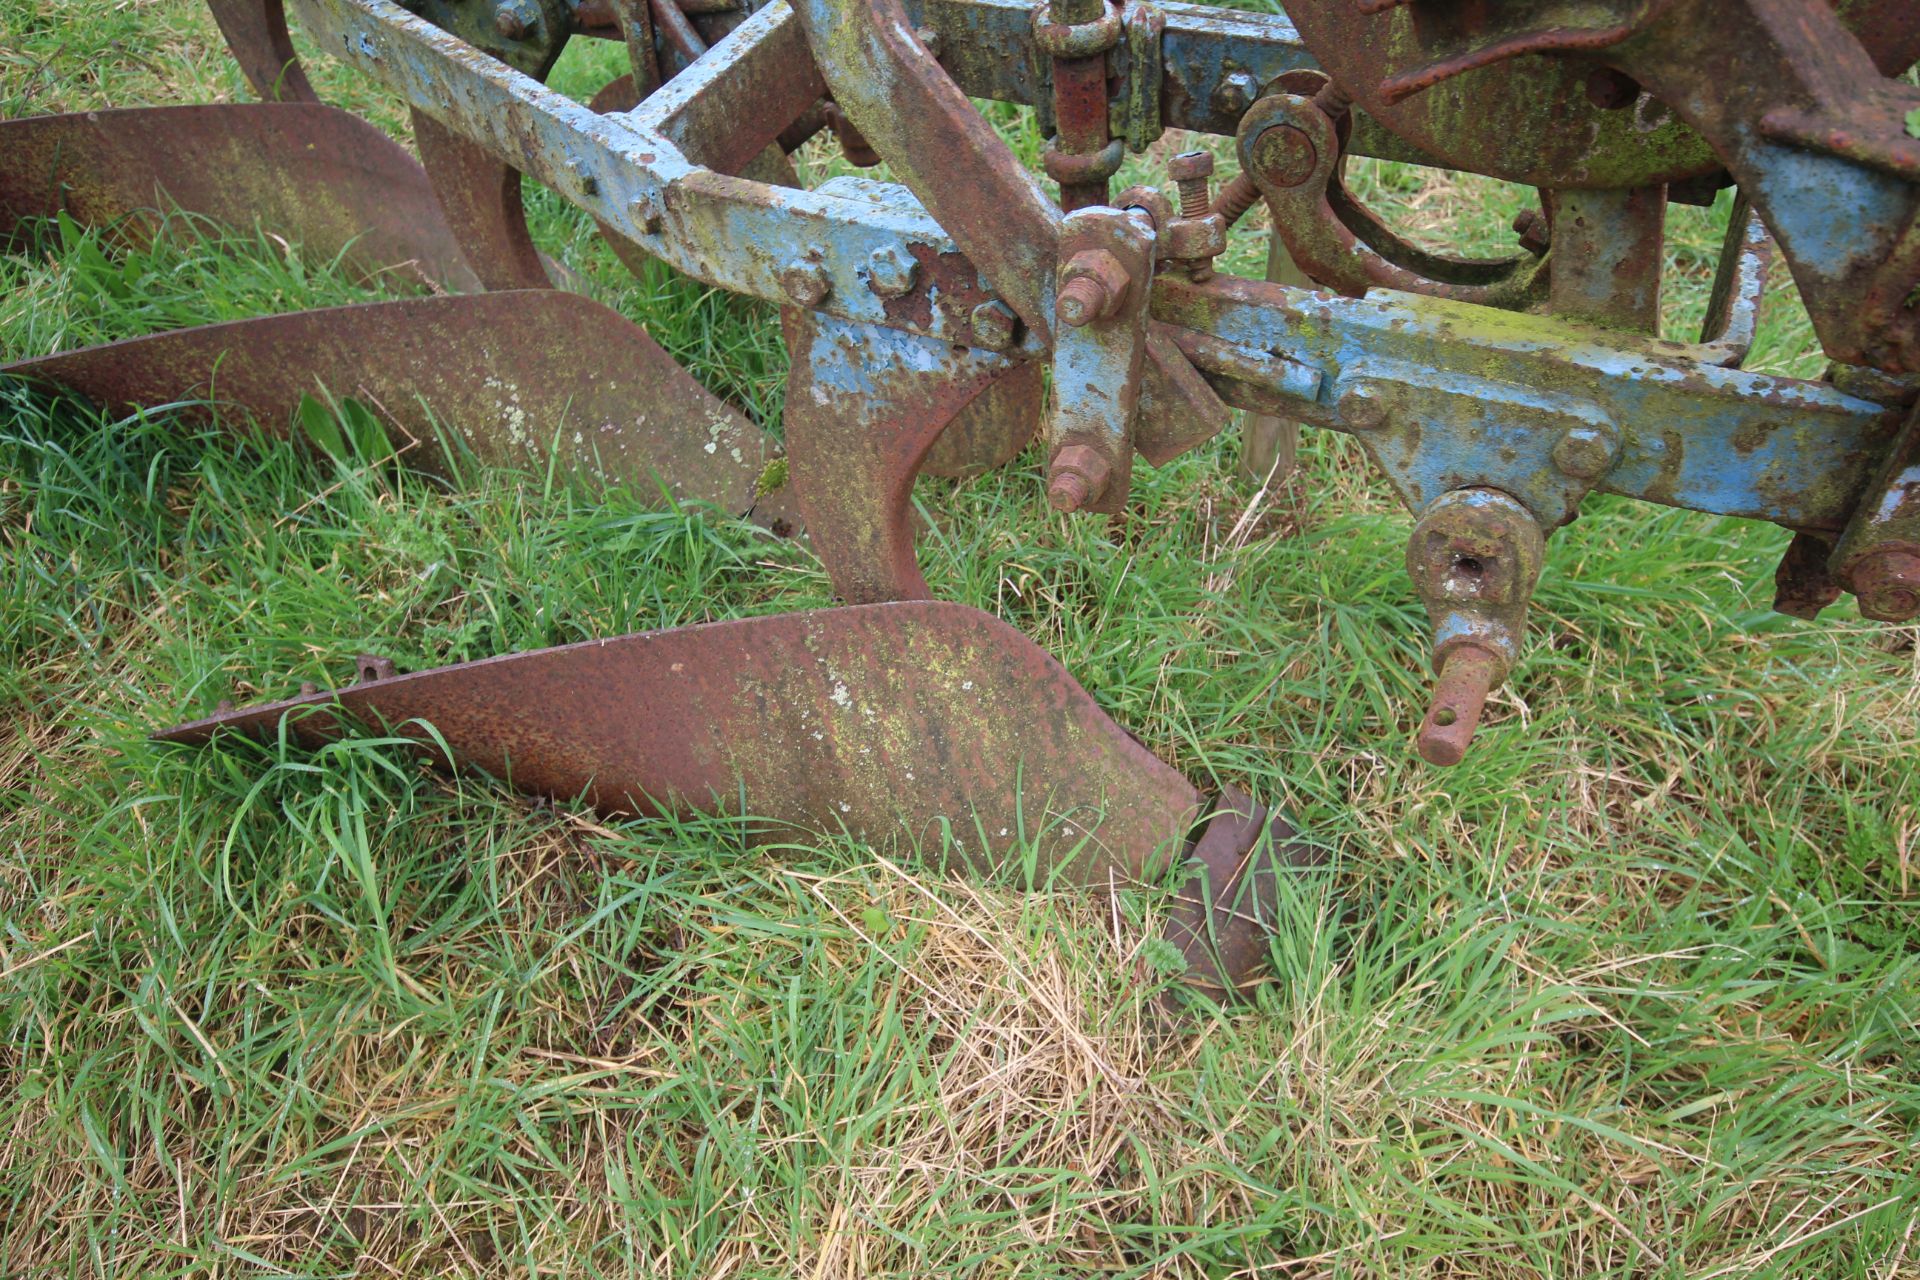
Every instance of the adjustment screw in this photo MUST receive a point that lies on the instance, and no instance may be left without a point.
(891, 271)
(1584, 453)
(806, 283)
(515, 19)
(1285, 155)
(992, 326)
(1363, 408)
(1190, 171)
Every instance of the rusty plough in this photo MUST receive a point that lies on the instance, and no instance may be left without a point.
(1495, 394)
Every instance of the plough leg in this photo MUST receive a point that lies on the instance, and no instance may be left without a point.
(864, 407)
(480, 197)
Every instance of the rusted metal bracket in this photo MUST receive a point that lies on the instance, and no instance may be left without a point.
(1609, 246)
(1434, 432)
(1099, 353)
(1290, 151)
(996, 424)
(932, 723)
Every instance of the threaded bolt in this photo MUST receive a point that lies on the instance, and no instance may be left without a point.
(1076, 476)
(1082, 300)
(1190, 171)
(1092, 285)
(1238, 196)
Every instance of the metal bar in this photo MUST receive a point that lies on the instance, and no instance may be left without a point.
(723, 113)
(1695, 435)
(728, 232)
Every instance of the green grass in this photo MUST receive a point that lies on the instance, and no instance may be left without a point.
(1631, 993)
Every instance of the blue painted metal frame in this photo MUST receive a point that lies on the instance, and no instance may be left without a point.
(1692, 434)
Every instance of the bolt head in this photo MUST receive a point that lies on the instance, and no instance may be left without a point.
(806, 283)
(1076, 476)
(1585, 453)
(1236, 93)
(1531, 226)
(583, 177)
(993, 326)
(891, 271)
(1284, 155)
(1887, 583)
(1190, 165)
(1363, 407)
(515, 20)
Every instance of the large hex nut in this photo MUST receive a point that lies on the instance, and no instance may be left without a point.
(1076, 476)
(1093, 285)
(891, 271)
(1196, 239)
(1475, 546)
(1887, 584)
